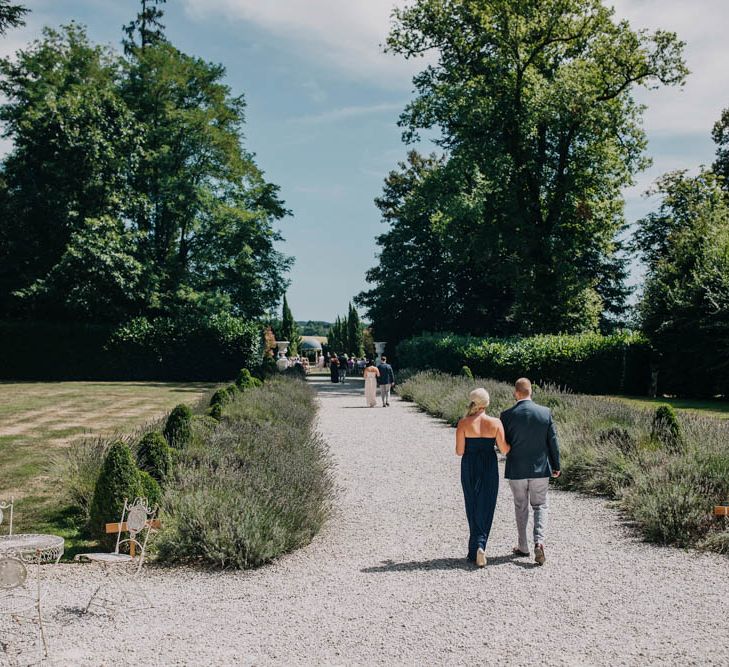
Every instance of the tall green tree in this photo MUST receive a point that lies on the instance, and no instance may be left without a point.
(208, 214)
(355, 339)
(533, 103)
(417, 283)
(684, 308)
(289, 330)
(129, 177)
(12, 15)
(76, 146)
(720, 135)
(146, 28)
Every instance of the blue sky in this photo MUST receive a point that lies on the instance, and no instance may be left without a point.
(323, 102)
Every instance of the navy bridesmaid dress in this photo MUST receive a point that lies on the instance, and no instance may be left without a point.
(480, 481)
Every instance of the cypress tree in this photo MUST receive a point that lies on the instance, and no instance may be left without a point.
(355, 336)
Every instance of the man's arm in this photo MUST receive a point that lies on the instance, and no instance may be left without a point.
(553, 447)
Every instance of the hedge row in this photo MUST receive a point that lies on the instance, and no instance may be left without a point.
(186, 349)
(586, 363)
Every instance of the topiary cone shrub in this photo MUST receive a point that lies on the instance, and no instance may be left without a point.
(178, 428)
(151, 489)
(118, 479)
(466, 372)
(154, 456)
(245, 380)
(666, 428)
(220, 397)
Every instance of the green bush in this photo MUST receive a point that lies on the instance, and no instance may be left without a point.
(589, 363)
(613, 449)
(216, 411)
(466, 372)
(221, 397)
(151, 490)
(245, 380)
(154, 457)
(666, 428)
(177, 429)
(118, 479)
(233, 391)
(257, 486)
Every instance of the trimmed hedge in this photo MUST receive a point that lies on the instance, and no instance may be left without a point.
(178, 427)
(119, 479)
(154, 456)
(587, 363)
(187, 348)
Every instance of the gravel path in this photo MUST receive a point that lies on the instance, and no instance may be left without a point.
(386, 581)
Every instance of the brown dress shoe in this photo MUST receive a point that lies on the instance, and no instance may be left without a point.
(539, 558)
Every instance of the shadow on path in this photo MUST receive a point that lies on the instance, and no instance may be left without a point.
(444, 564)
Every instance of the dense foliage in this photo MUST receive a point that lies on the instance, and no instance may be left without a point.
(609, 448)
(186, 347)
(253, 487)
(684, 308)
(128, 192)
(589, 363)
(515, 230)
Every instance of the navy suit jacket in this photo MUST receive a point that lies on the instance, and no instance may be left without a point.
(387, 375)
(530, 431)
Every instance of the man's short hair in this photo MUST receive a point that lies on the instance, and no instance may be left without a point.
(383, 358)
(523, 386)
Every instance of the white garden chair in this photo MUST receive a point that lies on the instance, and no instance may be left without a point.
(122, 570)
(20, 597)
(4, 507)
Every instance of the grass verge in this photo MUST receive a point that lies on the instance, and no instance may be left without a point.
(611, 448)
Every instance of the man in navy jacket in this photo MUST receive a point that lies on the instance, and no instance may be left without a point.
(532, 460)
(385, 380)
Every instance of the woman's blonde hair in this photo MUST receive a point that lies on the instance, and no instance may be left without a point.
(479, 400)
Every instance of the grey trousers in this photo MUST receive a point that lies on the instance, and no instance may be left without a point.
(532, 492)
(385, 393)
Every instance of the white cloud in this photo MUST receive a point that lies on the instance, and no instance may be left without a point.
(345, 35)
(702, 25)
(345, 113)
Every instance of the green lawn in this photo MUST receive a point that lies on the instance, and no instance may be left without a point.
(38, 420)
(708, 407)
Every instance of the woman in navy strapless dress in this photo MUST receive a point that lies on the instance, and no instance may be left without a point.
(476, 436)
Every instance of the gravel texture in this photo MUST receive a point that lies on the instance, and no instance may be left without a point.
(386, 581)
